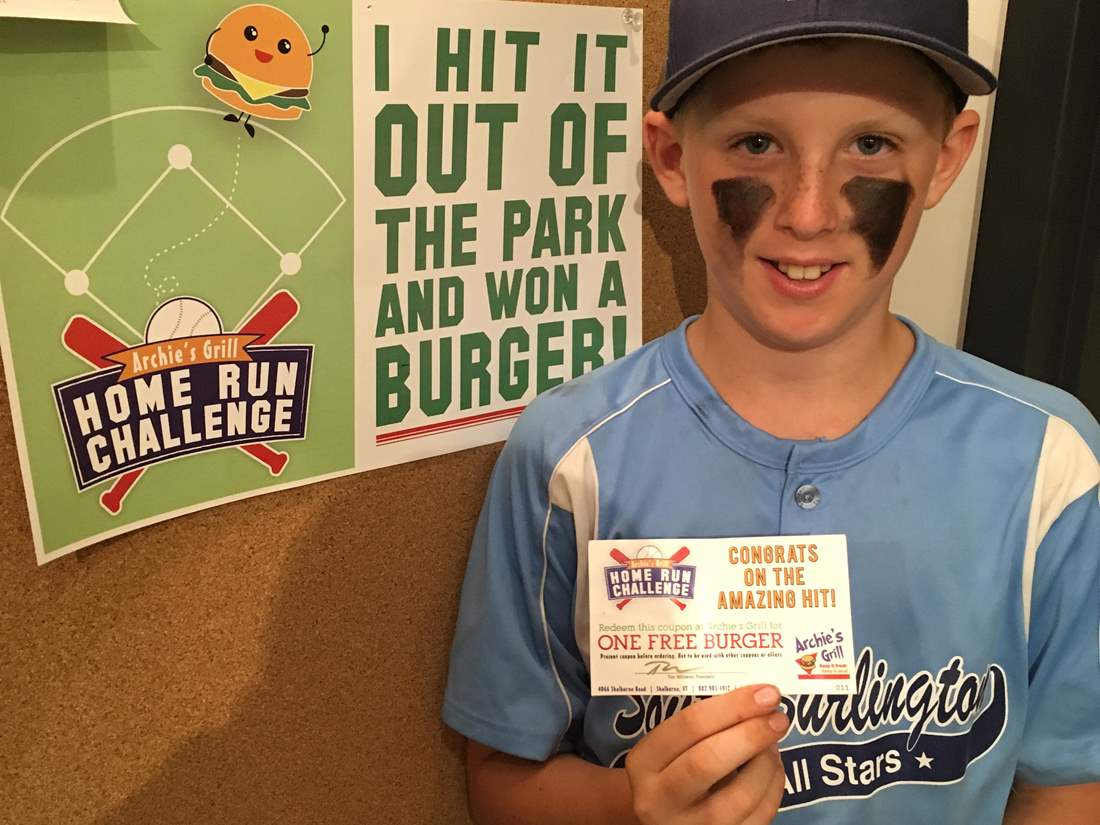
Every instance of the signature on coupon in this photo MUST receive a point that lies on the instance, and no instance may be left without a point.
(663, 667)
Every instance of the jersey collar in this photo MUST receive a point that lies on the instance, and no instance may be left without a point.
(819, 454)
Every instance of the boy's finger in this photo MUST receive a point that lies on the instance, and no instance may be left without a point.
(742, 796)
(694, 774)
(699, 721)
(765, 811)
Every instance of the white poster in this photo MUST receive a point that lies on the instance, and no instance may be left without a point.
(85, 11)
(498, 204)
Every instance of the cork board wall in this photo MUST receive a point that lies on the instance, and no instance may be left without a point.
(238, 665)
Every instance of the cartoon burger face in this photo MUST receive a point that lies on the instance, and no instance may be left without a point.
(807, 662)
(259, 62)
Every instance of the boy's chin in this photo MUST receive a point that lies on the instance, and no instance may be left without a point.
(786, 337)
(798, 328)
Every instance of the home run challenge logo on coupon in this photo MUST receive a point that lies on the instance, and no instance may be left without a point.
(649, 575)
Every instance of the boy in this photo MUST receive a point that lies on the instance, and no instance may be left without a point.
(806, 138)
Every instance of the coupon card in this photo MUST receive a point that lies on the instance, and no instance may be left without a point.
(705, 616)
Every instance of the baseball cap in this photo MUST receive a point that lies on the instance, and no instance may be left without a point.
(704, 33)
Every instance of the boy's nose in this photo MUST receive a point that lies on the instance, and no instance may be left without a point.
(808, 204)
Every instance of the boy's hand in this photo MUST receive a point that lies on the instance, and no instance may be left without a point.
(715, 763)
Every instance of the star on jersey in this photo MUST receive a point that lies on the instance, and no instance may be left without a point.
(924, 761)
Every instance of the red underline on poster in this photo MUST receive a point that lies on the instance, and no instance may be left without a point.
(447, 426)
(824, 676)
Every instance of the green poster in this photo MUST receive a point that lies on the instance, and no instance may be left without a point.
(246, 248)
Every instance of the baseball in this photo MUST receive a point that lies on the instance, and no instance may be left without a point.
(182, 318)
(649, 552)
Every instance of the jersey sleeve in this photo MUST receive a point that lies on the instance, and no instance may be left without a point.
(1062, 730)
(517, 682)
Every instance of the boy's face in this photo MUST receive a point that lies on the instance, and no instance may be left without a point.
(821, 153)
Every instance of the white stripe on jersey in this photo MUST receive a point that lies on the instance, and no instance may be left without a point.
(577, 496)
(1067, 469)
(991, 389)
(575, 488)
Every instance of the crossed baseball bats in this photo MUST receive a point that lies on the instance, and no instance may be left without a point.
(92, 343)
(623, 559)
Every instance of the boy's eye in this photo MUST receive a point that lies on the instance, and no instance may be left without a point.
(873, 144)
(755, 144)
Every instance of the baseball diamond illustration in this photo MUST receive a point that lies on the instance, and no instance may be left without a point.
(100, 253)
(110, 249)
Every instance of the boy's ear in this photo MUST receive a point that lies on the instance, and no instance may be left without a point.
(954, 153)
(665, 151)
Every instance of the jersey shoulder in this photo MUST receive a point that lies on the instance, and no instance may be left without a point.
(555, 420)
(971, 373)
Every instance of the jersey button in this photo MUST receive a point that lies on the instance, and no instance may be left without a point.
(807, 496)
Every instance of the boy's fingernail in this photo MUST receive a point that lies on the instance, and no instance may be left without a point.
(778, 721)
(766, 696)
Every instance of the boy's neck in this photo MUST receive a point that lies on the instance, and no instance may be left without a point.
(821, 393)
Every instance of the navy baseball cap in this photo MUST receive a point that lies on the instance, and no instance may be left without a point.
(704, 33)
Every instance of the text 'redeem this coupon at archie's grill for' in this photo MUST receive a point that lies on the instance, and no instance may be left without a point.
(706, 616)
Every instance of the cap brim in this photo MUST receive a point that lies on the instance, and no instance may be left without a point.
(968, 74)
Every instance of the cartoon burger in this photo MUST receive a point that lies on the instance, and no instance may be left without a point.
(807, 662)
(259, 62)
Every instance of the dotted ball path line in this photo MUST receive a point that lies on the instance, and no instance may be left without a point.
(161, 289)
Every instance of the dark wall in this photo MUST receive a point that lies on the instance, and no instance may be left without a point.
(1035, 294)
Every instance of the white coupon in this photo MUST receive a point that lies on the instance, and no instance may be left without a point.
(705, 616)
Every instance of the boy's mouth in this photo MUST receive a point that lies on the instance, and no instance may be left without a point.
(796, 272)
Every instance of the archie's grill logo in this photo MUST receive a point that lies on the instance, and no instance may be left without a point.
(649, 575)
(823, 652)
(188, 388)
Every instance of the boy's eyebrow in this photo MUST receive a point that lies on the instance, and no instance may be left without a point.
(871, 124)
(759, 120)
(880, 122)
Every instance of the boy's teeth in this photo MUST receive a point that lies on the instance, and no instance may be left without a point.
(800, 273)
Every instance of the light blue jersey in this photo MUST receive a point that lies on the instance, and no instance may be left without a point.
(970, 500)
